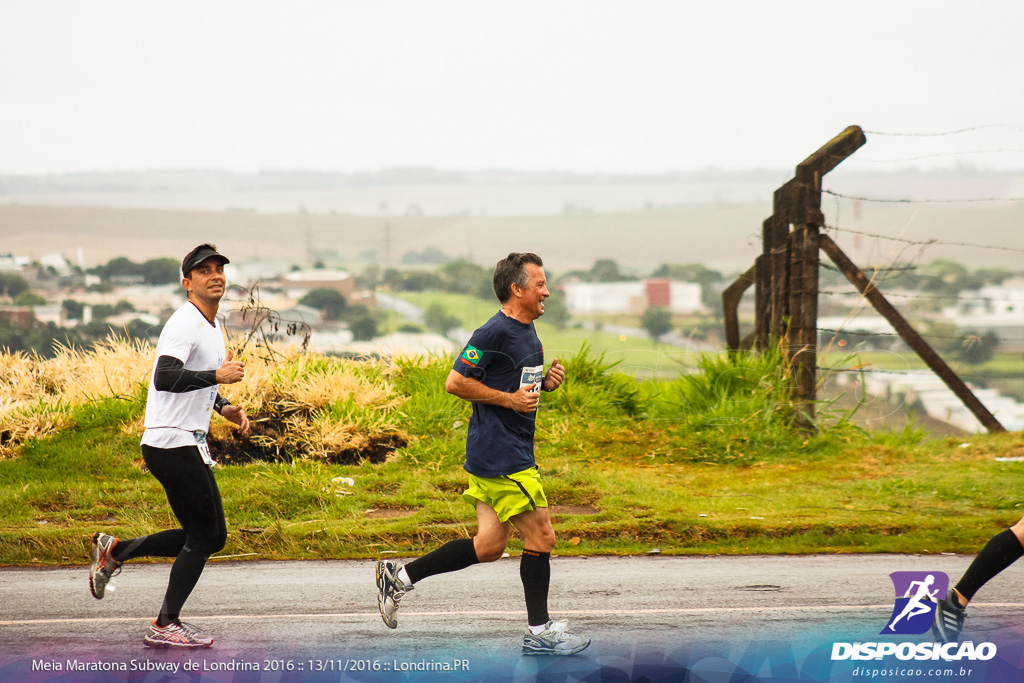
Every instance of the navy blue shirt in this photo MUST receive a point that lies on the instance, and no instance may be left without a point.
(503, 354)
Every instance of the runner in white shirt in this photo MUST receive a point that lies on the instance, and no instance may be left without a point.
(191, 362)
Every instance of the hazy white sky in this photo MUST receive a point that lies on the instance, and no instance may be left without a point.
(593, 85)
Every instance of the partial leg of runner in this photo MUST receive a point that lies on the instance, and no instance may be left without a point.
(195, 499)
(543, 636)
(1000, 552)
(394, 580)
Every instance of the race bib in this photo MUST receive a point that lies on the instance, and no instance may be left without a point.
(532, 375)
(204, 448)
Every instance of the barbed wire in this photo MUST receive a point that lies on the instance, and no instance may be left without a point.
(927, 242)
(877, 274)
(917, 201)
(965, 152)
(944, 133)
(921, 372)
(897, 334)
(873, 269)
(926, 296)
(924, 335)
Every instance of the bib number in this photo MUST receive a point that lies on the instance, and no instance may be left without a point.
(204, 447)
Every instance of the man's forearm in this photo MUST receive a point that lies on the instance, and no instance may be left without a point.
(476, 391)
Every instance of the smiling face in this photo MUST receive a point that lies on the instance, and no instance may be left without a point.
(206, 282)
(531, 298)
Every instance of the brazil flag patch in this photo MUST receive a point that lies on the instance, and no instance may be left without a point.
(471, 355)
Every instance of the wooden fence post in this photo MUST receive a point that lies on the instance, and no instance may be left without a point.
(777, 254)
(807, 221)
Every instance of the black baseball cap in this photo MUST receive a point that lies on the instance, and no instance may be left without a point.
(198, 255)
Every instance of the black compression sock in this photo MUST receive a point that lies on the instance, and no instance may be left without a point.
(999, 553)
(535, 571)
(451, 557)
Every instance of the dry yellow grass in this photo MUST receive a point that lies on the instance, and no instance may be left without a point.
(36, 394)
(321, 405)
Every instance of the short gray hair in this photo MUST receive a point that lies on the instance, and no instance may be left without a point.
(511, 270)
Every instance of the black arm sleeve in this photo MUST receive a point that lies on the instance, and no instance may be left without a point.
(171, 375)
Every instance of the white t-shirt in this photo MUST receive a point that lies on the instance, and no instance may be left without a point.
(170, 417)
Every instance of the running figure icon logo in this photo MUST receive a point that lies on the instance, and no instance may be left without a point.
(916, 596)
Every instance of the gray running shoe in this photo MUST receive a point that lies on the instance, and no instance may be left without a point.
(949, 618)
(176, 634)
(391, 590)
(553, 640)
(104, 567)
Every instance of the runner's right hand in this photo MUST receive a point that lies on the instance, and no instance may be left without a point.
(232, 371)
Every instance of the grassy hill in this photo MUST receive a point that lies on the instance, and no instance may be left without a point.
(351, 459)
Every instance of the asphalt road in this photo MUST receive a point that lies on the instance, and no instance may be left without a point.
(303, 611)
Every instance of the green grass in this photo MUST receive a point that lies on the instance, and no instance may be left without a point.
(701, 464)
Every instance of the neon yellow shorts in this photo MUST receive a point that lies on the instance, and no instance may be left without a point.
(509, 495)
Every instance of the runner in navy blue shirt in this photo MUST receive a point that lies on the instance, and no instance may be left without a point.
(501, 372)
(506, 355)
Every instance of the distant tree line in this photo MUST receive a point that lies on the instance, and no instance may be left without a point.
(157, 271)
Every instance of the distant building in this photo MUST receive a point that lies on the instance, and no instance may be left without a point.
(301, 282)
(9, 263)
(49, 313)
(283, 313)
(19, 317)
(632, 297)
(936, 399)
(56, 261)
(298, 313)
(998, 309)
(250, 273)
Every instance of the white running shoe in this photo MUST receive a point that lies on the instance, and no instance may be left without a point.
(553, 640)
(176, 634)
(391, 590)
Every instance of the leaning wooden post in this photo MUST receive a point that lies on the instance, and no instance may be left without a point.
(731, 296)
(910, 335)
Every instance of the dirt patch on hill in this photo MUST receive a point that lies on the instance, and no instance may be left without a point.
(574, 510)
(389, 513)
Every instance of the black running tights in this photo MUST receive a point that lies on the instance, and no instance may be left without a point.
(195, 499)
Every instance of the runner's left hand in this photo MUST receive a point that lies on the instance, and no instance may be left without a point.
(237, 415)
(554, 377)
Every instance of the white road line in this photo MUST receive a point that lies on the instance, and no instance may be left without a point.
(500, 613)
